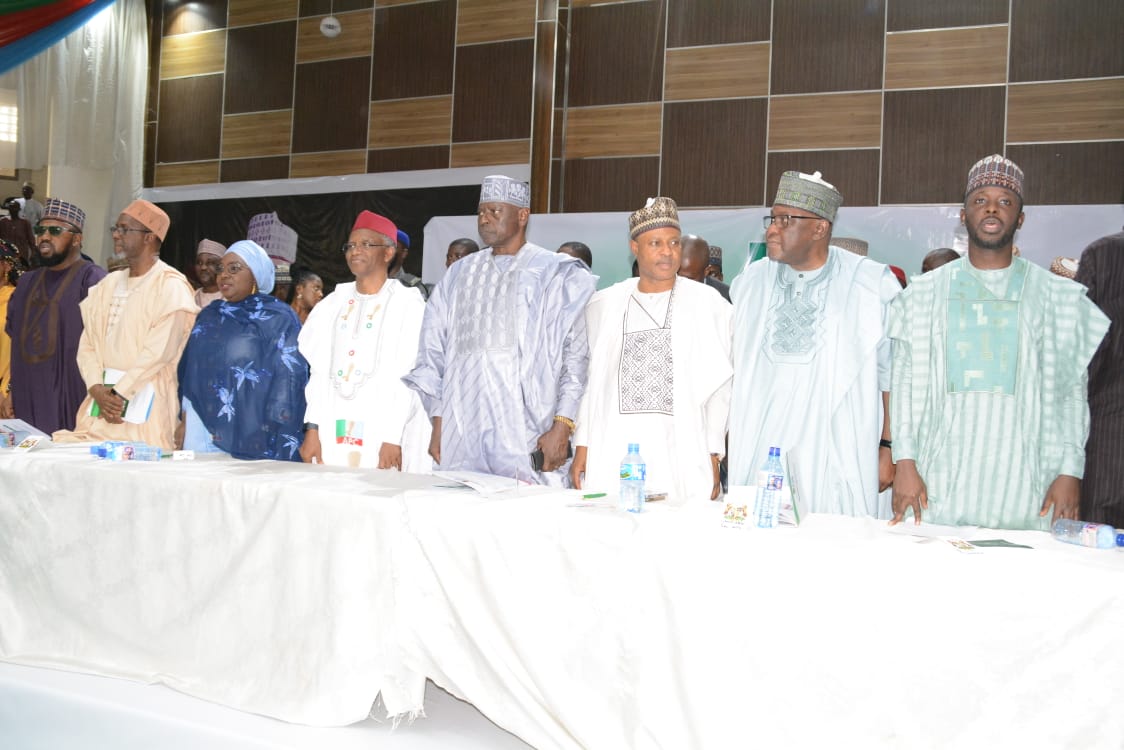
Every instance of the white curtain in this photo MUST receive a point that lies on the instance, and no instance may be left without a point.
(81, 117)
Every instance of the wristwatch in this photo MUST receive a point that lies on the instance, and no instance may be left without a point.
(311, 426)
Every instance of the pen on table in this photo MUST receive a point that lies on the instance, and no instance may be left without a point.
(593, 496)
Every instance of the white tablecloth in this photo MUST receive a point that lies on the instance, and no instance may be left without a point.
(300, 592)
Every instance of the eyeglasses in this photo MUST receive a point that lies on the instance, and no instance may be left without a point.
(349, 246)
(232, 269)
(39, 229)
(784, 219)
(123, 230)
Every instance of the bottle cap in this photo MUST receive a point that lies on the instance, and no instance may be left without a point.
(774, 451)
(634, 447)
(1119, 538)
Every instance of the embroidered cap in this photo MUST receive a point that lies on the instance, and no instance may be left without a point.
(657, 213)
(1065, 267)
(63, 211)
(809, 192)
(210, 247)
(257, 259)
(374, 222)
(498, 188)
(715, 258)
(995, 171)
(282, 274)
(852, 244)
(150, 216)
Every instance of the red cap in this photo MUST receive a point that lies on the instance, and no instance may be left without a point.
(376, 223)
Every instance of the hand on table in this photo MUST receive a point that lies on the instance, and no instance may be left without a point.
(390, 456)
(1064, 495)
(577, 467)
(909, 492)
(310, 447)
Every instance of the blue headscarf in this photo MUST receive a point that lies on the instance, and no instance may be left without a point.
(258, 261)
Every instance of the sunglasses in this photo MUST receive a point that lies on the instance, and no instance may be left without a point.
(39, 229)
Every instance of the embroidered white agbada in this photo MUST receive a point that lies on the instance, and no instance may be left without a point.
(811, 360)
(677, 414)
(358, 347)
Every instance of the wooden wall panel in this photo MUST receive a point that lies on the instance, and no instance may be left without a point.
(246, 12)
(408, 159)
(259, 67)
(245, 170)
(1071, 173)
(853, 173)
(492, 91)
(723, 72)
(338, 89)
(714, 152)
(623, 130)
(257, 134)
(357, 29)
(696, 22)
(609, 185)
(192, 173)
(1066, 111)
(488, 153)
(827, 45)
(616, 54)
(931, 139)
(819, 121)
(411, 122)
(190, 119)
(481, 21)
(1052, 40)
(414, 48)
(186, 18)
(193, 54)
(905, 15)
(950, 57)
(328, 164)
(324, 7)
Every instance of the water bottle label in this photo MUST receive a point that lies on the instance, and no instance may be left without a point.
(634, 471)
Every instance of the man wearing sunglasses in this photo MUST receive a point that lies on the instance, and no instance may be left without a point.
(45, 324)
(136, 323)
(811, 359)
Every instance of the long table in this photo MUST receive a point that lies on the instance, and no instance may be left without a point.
(304, 592)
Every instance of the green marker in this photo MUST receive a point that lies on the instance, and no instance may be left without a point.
(593, 496)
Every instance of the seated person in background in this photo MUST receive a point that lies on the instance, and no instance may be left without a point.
(208, 259)
(460, 248)
(578, 250)
(937, 258)
(307, 290)
(359, 342)
(659, 371)
(241, 377)
(696, 259)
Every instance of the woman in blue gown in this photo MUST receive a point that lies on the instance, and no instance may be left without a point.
(241, 377)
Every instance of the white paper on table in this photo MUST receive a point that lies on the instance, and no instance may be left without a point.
(930, 530)
(485, 484)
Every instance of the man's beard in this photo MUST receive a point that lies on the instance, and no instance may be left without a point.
(50, 261)
(997, 244)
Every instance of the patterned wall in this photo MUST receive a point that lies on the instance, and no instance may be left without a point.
(704, 100)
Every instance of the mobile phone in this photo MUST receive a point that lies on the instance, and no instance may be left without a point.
(537, 459)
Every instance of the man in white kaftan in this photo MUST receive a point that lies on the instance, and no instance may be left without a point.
(811, 360)
(359, 341)
(659, 372)
(502, 362)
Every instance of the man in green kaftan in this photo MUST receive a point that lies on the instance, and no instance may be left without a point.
(988, 392)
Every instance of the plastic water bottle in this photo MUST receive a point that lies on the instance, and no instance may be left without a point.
(633, 471)
(770, 481)
(1088, 534)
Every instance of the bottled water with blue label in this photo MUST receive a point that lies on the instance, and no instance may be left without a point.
(770, 482)
(633, 471)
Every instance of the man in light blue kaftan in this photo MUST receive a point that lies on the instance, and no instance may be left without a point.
(988, 402)
(502, 361)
